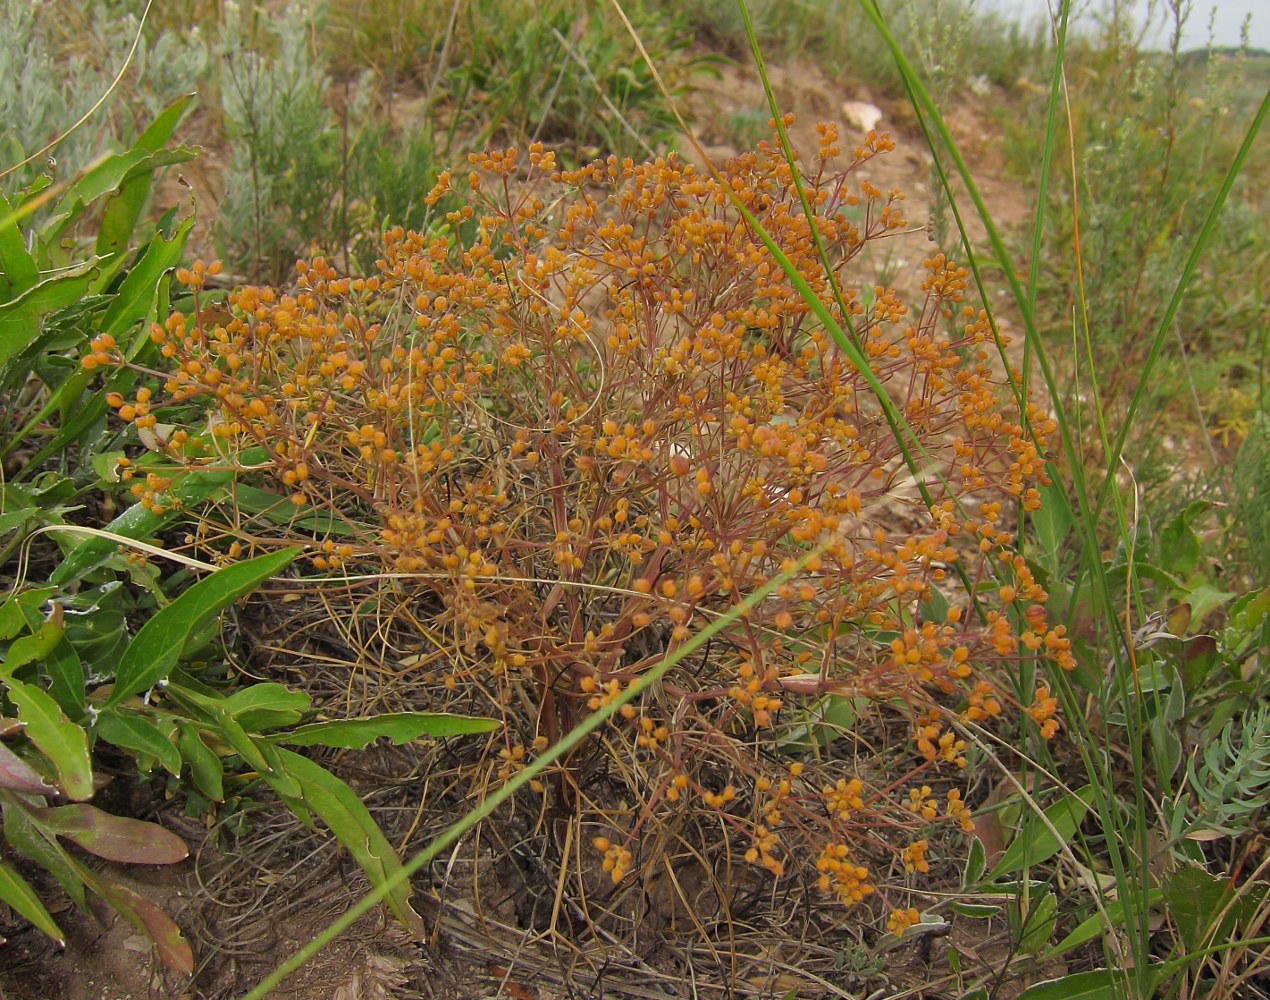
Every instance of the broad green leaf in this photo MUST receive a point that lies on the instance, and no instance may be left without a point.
(1179, 544)
(173, 949)
(1203, 597)
(11, 519)
(280, 510)
(132, 732)
(61, 741)
(1197, 902)
(399, 727)
(1250, 610)
(976, 863)
(115, 838)
(79, 416)
(44, 851)
(1119, 573)
(107, 175)
(135, 299)
(16, 775)
(935, 607)
(205, 767)
(1100, 984)
(276, 773)
(157, 646)
(828, 718)
(1095, 926)
(343, 812)
(99, 634)
(1035, 842)
(18, 270)
(1038, 927)
(124, 208)
(66, 678)
(31, 648)
(1053, 522)
(229, 729)
(1166, 746)
(20, 317)
(21, 611)
(17, 893)
(266, 706)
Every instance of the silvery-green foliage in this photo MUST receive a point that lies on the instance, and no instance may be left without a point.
(41, 96)
(1231, 776)
(47, 91)
(285, 149)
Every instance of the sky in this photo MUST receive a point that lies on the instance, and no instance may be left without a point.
(1229, 20)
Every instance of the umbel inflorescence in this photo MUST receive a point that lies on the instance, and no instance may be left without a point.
(603, 414)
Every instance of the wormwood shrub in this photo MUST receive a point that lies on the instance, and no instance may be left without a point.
(603, 421)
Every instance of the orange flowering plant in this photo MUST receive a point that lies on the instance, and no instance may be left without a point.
(603, 418)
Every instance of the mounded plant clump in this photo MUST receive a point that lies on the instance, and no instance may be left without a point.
(598, 417)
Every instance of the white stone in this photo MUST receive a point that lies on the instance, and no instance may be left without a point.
(861, 115)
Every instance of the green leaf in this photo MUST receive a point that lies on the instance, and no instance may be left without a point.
(1196, 901)
(21, 611)
(11, 519)
(266, 706)
(1166, 746)
(157, 647)
(974, 909)
(1095, 926)
(229, 729)
(109, 173)
(399, 727)
(935, 607)
(20, 317)
(16, 775)
(132, 732)
(1053, 522)
(343, 812)
(17, 893)
(280, 510)
(124, 208)
(1179, 544)
(1250, 610)
(31, 648)
(205, 767)
(61, 741)
(1118, 574)
(115, 838)
(18, 270)
(173, 949)
(1101, 984)
(1034, 932)
(1203, 597)
(97, 628)
(133, 302)
(66, 679)
(140, 522)
(276, 773)
(1035, 842)
(44, 851)
(976, 862)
